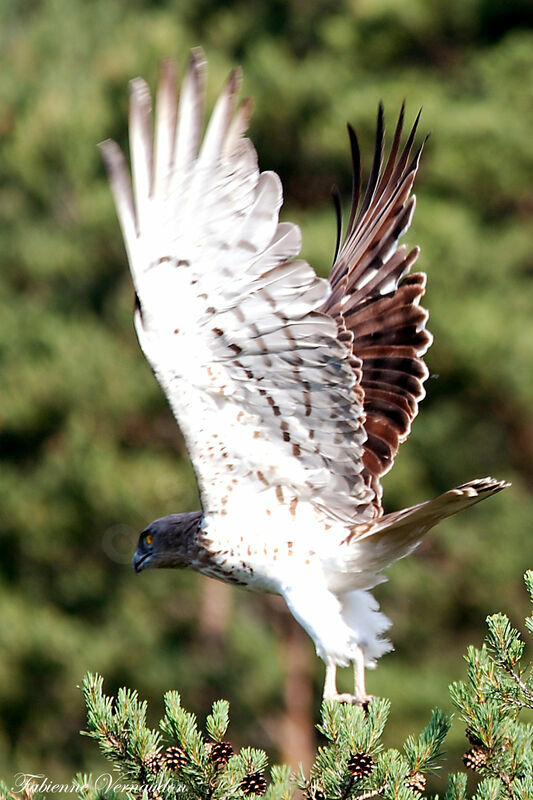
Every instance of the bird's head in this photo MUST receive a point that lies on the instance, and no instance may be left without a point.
(167, 542)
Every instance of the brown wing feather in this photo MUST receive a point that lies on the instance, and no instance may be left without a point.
(376, 303)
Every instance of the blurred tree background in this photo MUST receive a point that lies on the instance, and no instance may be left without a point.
(89, 450)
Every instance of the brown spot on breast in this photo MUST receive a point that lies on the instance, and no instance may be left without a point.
(218, 331)
(257, 434)
(296, 450)
(262, 477)
(176, 330)
(292, 506)
(279, 494)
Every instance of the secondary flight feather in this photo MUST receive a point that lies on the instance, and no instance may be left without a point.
(293, 393)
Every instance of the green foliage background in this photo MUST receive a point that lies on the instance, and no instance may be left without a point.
(89, 450)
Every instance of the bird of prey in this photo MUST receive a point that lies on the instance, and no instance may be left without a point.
(292, 392)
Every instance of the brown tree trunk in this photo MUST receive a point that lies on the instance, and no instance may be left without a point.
(296, 733)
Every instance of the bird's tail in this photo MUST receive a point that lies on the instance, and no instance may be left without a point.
(397, 534)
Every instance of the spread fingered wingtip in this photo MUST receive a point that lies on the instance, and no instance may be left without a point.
(235, 80)
(106, 147)
(196, 71)
(166, 86)
(117, 170)
(220, 122)
(197, 59)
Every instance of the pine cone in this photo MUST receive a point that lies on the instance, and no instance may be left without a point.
(315, 792)
(219, 752)
(255, 783)
(154, 762)
(416, 781)
(175, 758)
(360, 765)
(472, 738)
(475, 758)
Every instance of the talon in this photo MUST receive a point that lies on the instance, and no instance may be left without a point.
(365, 703)
(350, 699)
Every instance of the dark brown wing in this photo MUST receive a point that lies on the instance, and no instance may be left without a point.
(375, 302)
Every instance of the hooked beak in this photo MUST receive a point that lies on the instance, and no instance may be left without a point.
(139, 561)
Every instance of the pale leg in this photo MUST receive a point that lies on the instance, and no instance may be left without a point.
(330, 684)
(361, 697)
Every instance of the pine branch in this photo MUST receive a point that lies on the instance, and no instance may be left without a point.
(490, 703)
(424, 754)
(180, 761)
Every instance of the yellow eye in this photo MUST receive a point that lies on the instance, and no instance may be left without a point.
(148, 538)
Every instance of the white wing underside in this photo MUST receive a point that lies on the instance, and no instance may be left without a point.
(261, 387)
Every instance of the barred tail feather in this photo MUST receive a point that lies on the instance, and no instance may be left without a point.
(397, 534)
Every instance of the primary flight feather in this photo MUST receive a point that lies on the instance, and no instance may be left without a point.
(293, 393)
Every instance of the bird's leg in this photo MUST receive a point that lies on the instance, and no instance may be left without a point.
(360, 696)
(330, 683)
(359, 688)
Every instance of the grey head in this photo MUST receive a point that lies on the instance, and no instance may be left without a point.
(168, 542)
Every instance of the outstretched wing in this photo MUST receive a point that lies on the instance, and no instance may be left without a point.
(376, 303)
(258, 379)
